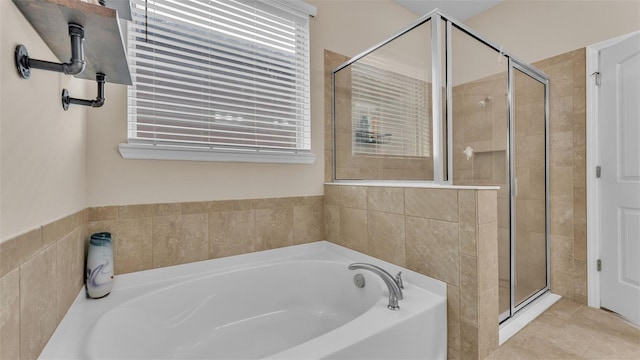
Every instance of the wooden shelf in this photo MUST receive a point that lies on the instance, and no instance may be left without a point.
(104, 50)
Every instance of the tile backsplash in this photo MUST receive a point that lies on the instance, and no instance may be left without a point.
(158, 235)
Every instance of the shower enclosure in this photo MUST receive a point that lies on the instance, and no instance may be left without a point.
(437, 102)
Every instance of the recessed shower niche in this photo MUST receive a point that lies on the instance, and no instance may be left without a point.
(437, 102)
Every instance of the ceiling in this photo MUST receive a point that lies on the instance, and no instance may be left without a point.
(457, 9)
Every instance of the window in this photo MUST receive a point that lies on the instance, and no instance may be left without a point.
(219, 80)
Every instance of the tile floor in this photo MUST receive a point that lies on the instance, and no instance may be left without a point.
(569, 330)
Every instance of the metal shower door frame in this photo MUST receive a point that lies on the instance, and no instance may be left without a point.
(516, 65)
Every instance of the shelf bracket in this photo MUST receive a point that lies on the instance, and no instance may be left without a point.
(97, 102)
(75, 66)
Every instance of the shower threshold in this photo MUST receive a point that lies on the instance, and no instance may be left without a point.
(523, 317)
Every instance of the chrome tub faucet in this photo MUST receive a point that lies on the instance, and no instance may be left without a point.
(394, 285)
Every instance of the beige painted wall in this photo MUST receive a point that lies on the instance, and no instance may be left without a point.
(42, 147)
(115, 181)
(533, 30)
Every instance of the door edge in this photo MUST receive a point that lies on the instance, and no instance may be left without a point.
(592, 159)
(593, 191)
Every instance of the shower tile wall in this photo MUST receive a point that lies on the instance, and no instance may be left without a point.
(568, 173)
(447, 234)
(480, 122)
(485, 131)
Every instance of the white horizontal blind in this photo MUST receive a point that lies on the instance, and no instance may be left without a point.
(390, 112)
(219, 75)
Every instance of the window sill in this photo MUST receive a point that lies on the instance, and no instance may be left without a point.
(159, 152)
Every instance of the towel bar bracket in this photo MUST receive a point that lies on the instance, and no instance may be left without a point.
(75, 66)
(97, 102)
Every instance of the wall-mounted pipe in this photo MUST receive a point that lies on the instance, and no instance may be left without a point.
(97, 102)
(75, 65)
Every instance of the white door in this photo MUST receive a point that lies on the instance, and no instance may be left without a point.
(619, 184)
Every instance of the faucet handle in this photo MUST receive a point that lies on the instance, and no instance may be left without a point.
(398, 279)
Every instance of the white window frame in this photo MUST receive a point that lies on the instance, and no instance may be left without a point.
(134, 150)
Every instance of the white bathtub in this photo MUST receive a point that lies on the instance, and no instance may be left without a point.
(298, 302)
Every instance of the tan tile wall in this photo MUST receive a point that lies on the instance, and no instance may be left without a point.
(158, 235)
(447, 234)
(568, 173)
(41, 273)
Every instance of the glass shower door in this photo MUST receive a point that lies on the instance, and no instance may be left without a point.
(529, 184)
